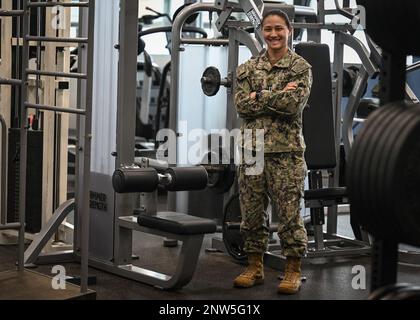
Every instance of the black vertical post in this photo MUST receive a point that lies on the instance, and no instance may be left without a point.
(384, 263)
(392, 77)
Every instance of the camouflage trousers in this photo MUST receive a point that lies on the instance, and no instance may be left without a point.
(283, 182)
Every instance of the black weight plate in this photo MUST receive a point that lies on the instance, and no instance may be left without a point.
(232, 238)
(384, 216)
(401, 182)
(371, 129)
(380, 293)
(356, 161)
(384, 200)
(379, 141)
(357, 175)
(401, 124)
(387, 223)
(369, 166)
(210, 81)
(408, 189)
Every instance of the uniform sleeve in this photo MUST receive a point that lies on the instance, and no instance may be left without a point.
(245, 106)
(289, 103)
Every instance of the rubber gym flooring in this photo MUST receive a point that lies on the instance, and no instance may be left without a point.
(326, 279)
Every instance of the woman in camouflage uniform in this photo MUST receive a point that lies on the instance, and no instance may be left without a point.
(272, 91)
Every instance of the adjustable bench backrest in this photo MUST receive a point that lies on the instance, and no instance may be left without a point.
(318, 121)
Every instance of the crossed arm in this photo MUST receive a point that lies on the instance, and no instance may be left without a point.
(283, 102)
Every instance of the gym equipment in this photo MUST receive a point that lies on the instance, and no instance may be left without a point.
(112, 221)
(184, 179)
(129, 180)
(134, 179)
(86, 49)
(33, 219)
(321, 154)
(172, 225)
(212, 80)
(383, 162)
(387, 165)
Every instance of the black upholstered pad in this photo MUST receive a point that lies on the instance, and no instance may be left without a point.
(318, 121)
(325, 194)
(177, 223)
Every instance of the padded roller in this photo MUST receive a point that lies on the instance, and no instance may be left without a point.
(131, 180)
(188, 178)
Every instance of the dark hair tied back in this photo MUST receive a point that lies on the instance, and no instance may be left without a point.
(280, 14)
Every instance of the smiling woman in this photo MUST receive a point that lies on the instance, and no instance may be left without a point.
(272, 90)
(276, 31)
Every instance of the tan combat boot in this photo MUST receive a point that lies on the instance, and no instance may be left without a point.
(292, 277)
(253, 274)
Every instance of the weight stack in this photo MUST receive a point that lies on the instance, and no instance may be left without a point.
(33, 179)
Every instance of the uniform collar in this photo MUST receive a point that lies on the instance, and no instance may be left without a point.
(264, 62)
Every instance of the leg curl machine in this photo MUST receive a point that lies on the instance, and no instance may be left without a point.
(188, 229)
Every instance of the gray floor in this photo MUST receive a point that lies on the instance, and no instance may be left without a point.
(326, 278)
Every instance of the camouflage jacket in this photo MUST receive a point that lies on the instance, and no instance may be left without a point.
(278, 113)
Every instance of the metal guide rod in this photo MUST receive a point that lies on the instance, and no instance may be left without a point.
(84, 254)
(10, 226)
(54, 108)
(17, 68)
(55, 39)
(12, 82)
(11, 13)
(56, 74)
(38, 58)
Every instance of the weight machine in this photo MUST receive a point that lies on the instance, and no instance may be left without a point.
(84, 110)
(112, 215)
